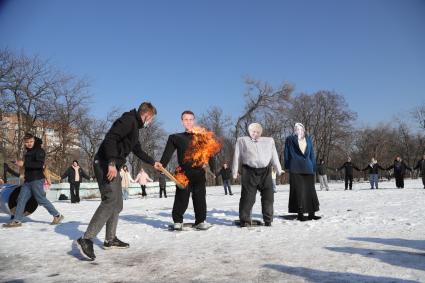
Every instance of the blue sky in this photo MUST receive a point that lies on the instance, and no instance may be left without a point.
(195, 54)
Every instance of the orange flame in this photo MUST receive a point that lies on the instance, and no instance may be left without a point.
(181, 177)
(204, 144)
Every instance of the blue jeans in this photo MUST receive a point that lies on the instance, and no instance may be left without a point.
(373, 179)
(36, 189)
(274, 185)
(226, 185)
(125, 193)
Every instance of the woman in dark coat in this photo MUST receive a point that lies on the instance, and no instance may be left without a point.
(75, 175)
(399, 171)
(301, 162)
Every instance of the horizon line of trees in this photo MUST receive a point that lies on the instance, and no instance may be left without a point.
(44, 98)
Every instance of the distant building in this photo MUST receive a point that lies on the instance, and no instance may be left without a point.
(9, 133)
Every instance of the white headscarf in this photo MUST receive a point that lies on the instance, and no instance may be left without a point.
(299, 130)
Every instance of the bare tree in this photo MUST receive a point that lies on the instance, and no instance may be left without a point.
(261, 96)
(70, 104)
(217, 122)
(419, 115)
(26, 93)
(92, 131)
(326, 118)
(152, 140)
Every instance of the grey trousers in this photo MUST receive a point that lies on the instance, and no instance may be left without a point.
(252, 180)
(323, 182)
(110, 206)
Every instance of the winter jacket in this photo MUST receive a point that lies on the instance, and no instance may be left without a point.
(162, 181)
(123, 138)
(226, 173)
(296, 161)
(70, 174)
(321, 169)
(125, 179)
(348, 166)
(421, 166)
(143, 178)
(373, 169)
(34, 162)
(399, 168)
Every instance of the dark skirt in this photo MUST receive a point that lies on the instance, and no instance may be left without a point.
(302, 194)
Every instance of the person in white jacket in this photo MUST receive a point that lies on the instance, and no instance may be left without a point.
(125, 181)
(143, 178)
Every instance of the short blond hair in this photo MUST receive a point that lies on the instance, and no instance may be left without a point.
(255, 126)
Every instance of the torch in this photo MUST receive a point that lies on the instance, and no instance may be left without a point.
(172, 178)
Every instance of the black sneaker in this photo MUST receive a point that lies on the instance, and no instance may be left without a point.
(115, 244)
(267, 224)
(86, 248)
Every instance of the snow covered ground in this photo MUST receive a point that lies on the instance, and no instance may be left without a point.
(364, 236)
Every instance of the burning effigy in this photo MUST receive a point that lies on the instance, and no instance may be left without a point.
(202, 147)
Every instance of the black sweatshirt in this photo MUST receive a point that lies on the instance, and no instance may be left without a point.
(181, 142)
(348, 166)
(321, 169)
(70, 173)
(421, 166)
(399, 168)
(123, 138)
(226, 173)
(34, 162)
(373, 169)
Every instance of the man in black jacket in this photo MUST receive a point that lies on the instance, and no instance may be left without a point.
(121, 139)
(196, 176)
(399, 171)
(226, 175)
(162, 185)
(34, 179)
(75, 175)
(421, 167)
(348, 167)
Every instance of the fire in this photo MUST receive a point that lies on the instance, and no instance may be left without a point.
(204, 144)
(181, 177)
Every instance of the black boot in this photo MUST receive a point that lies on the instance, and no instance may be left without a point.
(311, 216)
(301, 217)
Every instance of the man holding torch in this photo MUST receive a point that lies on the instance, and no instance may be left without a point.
(121, 139)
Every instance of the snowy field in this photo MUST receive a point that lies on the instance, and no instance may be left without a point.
(364, 236)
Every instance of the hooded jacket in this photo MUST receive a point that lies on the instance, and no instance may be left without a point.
(123, 138)
(34, 162)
